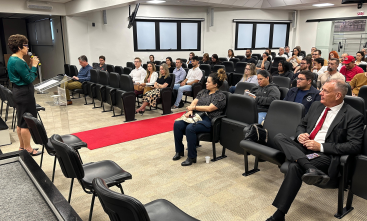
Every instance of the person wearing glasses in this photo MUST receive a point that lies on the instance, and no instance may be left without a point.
(22, 77)
(305, 65)
(249, 76)
(138, 74)
(304, 93)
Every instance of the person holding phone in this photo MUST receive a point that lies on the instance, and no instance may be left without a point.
(23, 91)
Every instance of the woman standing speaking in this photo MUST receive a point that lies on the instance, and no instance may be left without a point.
(23, 91)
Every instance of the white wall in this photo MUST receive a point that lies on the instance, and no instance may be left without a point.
(115, 40)
(20, 6)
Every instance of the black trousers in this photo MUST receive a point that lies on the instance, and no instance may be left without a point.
(293, 179)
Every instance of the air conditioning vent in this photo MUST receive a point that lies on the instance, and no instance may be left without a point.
(39, 6)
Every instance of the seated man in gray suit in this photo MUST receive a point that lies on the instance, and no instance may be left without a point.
(330, 129)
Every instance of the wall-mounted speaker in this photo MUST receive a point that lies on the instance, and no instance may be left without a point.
(210, 17)
(294, 19)
(104, 17)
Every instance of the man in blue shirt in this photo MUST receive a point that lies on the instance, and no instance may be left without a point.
(76, 82)
(179, 72)
(304, 93)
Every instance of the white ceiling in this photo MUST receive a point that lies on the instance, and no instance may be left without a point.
(260, 4)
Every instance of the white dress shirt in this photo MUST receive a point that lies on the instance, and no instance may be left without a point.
(138, 75)
(153, 78)
(283, 55)
(321, 135)
(194, 74)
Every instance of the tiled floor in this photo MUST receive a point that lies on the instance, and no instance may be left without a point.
(214, 191)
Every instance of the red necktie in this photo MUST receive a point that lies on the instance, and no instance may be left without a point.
(319, 125)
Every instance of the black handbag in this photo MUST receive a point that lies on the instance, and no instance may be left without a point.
(256, 133)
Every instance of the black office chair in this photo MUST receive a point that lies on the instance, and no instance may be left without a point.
(157, 68)
(3, 99)
(127, 70)
(110, 90)
(357, 103)
(196, 88)
(170, 69)
(189, 66)
(4, 77)
(282, 117)
(184, 65)
(166, 97)
(39, 136)
(125, 98)
(72, 167)
(283, 92)
(110, 68)
(240, 57)
(363, 94)
(225, 86)
(130, 64)
(100, 87)
(242, 86)
(239, 72)
(349, 90)
(303, 53)
(74, 72)
(10, 103)
(234, 60)
(157, 62)
(206, 68)
(273, 54)
(223, 59)
(282, 81)
(183, 60)
(363, 66)
(67, 69)
(200, 58)
(258, 56)
(276, 62)
(229, 65)
(123, 207)
(89, 86)
(145, 66)
(119, 70)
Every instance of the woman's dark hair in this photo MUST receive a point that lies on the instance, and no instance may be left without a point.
(299, 51)
(219, 77)
(232, 52)
(320, 61)
(193, 54)
(267, 54)
(285, 66)
(17, 41)
(170, 59)
(215, 56)
(266, 74)
(152, 56)
(362, 53)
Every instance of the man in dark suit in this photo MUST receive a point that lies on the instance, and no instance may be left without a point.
(330, 129)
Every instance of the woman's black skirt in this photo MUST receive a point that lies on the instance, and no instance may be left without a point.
(25, 102)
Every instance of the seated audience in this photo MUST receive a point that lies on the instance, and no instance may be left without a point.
(230, 54)
(333, 54)
(281, 53)
(305, 64)
(210, 101)
(304, 93)
(179, 72)
(313, 49)
(287, 51)
(248, 58)
(249, 76)
(150, 97)
(151, 58)
(76, 82)
(331, 128)
(269, 53)
(194, 76)
(264, 63)
(349, 70)
(341, 60)
(169, 62)
(192, 54)
(206, 59)
(318, 67)
(360, 58)
(331, 73)
(215, 61)
(149, 79)
(264, 94)
(365, 53)
(283, 70)
(296, 58)
(357, 82)
(317, 54)
(138, 74)
(102, 65)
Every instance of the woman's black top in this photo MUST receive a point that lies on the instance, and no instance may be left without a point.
(218, 99)
(161, 80)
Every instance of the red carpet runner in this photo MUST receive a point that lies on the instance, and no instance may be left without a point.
(106, 136)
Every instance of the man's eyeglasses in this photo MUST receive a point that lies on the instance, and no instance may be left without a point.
(301, 79)
(303, 63)
(247, 69)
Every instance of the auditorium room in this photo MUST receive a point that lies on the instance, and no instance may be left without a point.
(183, 110)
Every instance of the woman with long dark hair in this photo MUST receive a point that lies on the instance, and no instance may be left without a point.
(23, 91)
(284, 70)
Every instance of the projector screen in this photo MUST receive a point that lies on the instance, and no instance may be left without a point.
(40, 32)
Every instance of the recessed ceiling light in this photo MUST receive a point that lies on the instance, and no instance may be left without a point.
(323, 4)
(155, 2)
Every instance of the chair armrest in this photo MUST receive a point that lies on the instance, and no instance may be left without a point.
(216, 125)
(195, 89)
(344, 160)
(264, 152)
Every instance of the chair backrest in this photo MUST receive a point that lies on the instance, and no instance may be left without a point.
(229, 66)
(242, 108)
(119, 206)
(2, 93)
(103, 78)
(157, 62)
(357, 103)
(349, 90)
(206, 68)
(69, 160)
(282, 117)
(277, 60)
(294, 83)
(225, 86)
(67, 69)
(242, 86)
(130, 65)
(223, 59)
(95, 64)
(119, 70)
(157, 68)
(126, 83)
(303, 53)
(256, 55)
(127, 70)
(110, 68)
(217, 67)
(183, 60)
(184, 65)
(187, 70)
(240, 67)
(273, 54)
(189, 66)
(170, 69)
(282, 81)
(283, 92)
(363, 94)
(363, 66)
(36, 129)
(234, 60)
(9, 97)
(228, 94)
(200, 58)
(145, 66)
(94, 76)
(240, 57)
(173, 79)
(114, 79)
(73, 71)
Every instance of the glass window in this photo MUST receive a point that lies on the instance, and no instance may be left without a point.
(189, 36)
(168, 35)
(244, 38)
(146, 35)
(279, 35)
(262, 36)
